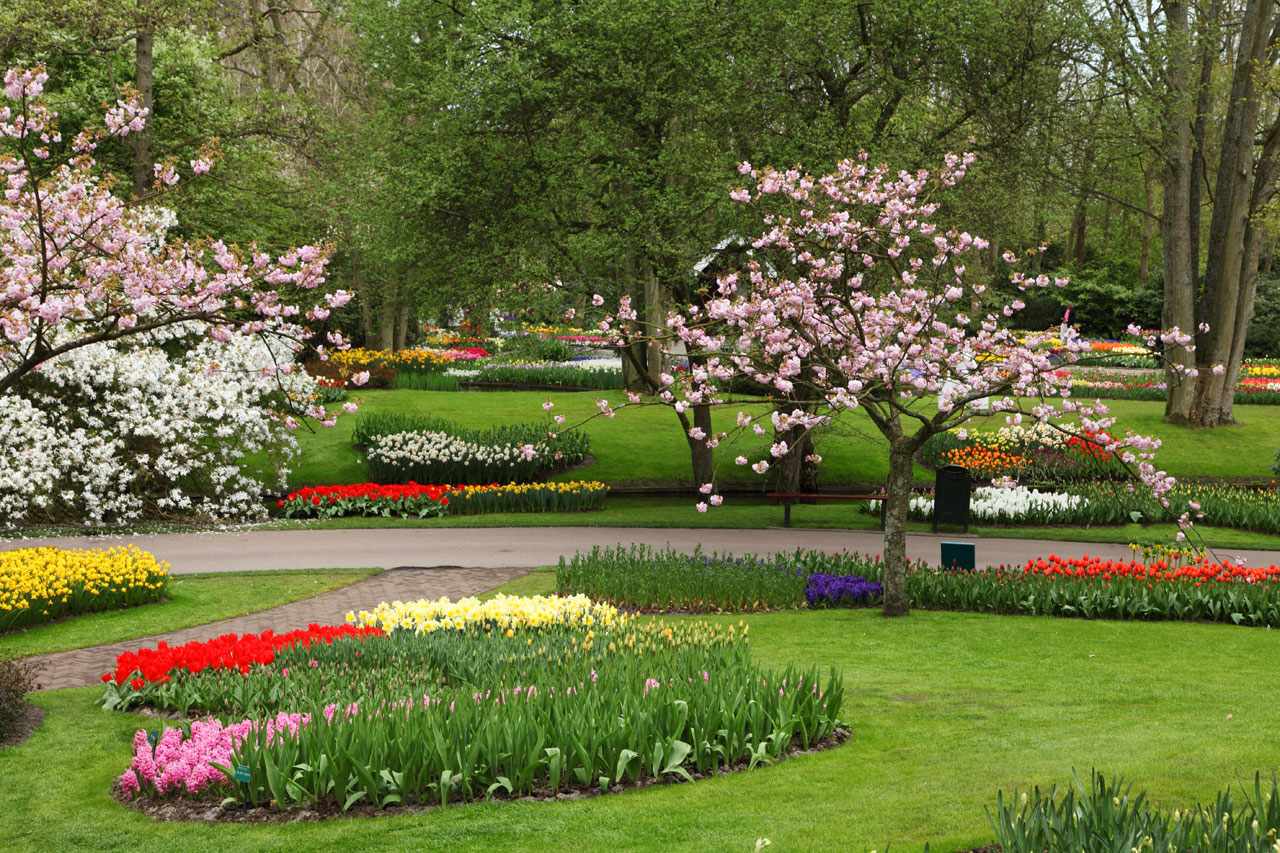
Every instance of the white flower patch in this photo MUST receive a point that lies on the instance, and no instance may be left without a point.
(420, 449)
(1007, 506)
(110, 432)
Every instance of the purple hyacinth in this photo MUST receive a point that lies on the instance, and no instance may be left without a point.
(835, 590)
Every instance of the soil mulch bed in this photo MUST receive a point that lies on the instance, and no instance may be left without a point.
(32, 717)
(181, 809)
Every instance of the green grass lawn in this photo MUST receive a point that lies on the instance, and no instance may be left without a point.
(641, 447)
(945, 709)
(645, 447)
(194, 599)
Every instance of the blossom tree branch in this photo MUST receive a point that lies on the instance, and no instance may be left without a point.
(79, 265)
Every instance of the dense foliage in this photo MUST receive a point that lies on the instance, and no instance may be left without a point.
(406, 448)
(18, 678)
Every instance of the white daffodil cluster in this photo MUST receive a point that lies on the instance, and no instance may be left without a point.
(159, 422)
(412, 449)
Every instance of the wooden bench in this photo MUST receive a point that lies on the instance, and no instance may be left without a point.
(788, 498)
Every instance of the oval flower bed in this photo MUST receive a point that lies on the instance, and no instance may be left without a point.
(412, 500)
(41, 584)
(510, 697)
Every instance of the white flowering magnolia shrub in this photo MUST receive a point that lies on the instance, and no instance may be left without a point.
(437, 457)
(1006, 506)
(158, 425)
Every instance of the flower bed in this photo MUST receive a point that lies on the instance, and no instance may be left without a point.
(420, 359)
(475, 709)
(568, 447)
(500, 613)
(1039, 454)
(1100, 504)
(408, 456)
(571, 496)
(150, 667)
(41, 584)
(1257, 384)
(641, 578)
(1173, 588)
(1094, 818)
(1093, 588)
(412, 500)
(560, 375)
(330, 391)
(1018, 505)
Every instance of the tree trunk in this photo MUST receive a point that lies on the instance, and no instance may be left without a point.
(1228, 291)
(140, 143)
(360, 288)
(792, 472)
(787, 469)
(631, 381)
(402, 328)
(809, 471)
(1175, 218)
(651, 314)
(1144, 245)
(387, 319)
(897, 500)
(701, 455)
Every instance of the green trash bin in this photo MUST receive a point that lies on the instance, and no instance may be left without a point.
(951, 496)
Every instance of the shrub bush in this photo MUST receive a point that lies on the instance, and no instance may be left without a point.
(1263, 337)
(532, 347)
(17, 679)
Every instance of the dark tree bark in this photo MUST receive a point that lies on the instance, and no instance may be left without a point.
(1175, 220)
(1245, 184)
(140, 143)
(897, 501)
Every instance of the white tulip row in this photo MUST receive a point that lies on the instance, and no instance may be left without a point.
(989, 503)
(407, 449)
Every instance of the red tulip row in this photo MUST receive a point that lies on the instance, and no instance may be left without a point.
(1204, 571)
(230, 651)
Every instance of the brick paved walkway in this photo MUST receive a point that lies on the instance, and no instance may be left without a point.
(82, 667)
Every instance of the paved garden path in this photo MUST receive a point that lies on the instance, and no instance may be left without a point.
(500, 547)
(82, 667)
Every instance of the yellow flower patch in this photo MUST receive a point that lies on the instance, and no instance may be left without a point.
(503, 612)
(40, 584)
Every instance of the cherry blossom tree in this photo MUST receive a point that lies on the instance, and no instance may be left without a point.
(81, 265)
(870, 304)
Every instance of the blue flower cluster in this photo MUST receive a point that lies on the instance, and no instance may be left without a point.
(841, 590)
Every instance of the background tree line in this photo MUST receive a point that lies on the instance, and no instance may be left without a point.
(453, 151)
